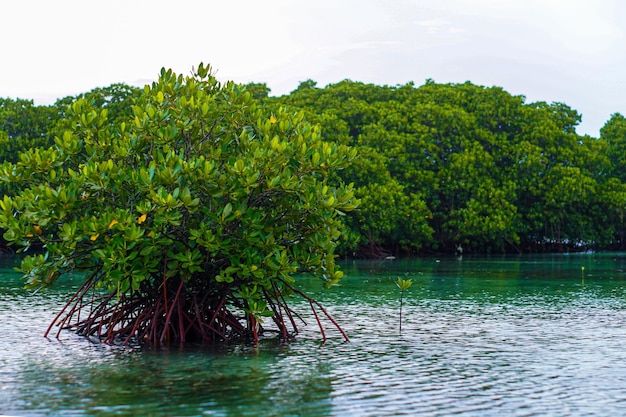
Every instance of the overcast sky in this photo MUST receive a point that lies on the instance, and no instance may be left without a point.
(569, 51)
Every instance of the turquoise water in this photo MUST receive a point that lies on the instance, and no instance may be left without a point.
(498, 336)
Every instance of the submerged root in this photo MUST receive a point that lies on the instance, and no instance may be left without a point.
(176, 312)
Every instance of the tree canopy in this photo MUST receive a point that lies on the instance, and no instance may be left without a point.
(185, 206)
(447, 166)
(444, 166)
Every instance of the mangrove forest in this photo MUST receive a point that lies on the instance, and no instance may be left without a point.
(191, 204)
(438, 167)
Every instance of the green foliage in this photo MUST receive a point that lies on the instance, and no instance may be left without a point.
(199, 184)
(22, 126)
(438, 165)
(404, 284)
(117, 99)
(443, 165)
(614, 134)
(258, 91)
(25, 124)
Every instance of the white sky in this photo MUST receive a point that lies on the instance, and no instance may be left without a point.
(569, 51)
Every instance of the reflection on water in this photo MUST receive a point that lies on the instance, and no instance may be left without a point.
(481, 336)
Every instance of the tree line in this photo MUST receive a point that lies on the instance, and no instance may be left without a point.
(440, 168)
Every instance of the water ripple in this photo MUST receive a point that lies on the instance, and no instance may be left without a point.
(469, 346)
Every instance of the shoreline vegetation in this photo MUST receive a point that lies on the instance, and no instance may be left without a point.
(439, 167)
(187, 214)
(192, 205)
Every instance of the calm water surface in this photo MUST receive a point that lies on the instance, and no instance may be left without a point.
(500, 336)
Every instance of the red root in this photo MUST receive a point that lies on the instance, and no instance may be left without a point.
(177, 313)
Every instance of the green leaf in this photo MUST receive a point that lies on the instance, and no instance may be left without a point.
(228, 208)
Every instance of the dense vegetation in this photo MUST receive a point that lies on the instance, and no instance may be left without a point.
(440, 167)
(187, 204)
(444, 167)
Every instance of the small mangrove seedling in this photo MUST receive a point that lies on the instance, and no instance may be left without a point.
(582, 272)
(404, 285)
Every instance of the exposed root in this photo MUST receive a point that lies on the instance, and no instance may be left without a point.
(314, 303)
(177, 312)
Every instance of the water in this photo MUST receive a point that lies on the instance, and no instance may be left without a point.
(523, 336)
